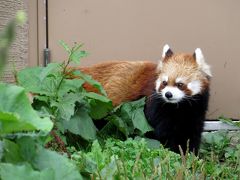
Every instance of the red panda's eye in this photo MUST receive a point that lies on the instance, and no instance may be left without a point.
(164, 83)
(180, 85)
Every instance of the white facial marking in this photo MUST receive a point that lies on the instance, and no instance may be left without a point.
(195, 87)
(177, 95)
(165, 78)
(201, 62)
(160, 65)
(180, 79)
(158, 83)
(165, 50)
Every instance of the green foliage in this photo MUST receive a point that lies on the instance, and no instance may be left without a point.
(221, 152)
(16, 113)
(24, 171)
(23, 132)
(61, 167)
(135, 159)
(130, 119)
(71, 107)
(74, 54)
(81, 124)
(26, 158)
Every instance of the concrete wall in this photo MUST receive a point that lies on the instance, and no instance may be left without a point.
(19, 51)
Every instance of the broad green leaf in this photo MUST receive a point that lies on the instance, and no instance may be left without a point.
(24, 171)
(16, 113)
(65, 46)
(51, 69)
(99, 109)
(126, 111)
(70, 85)
(40, 80)
(81, 124)
(100, 105)
(11, 152)
(11, 122)
(27, 148)
(140, 121)
(129, 116)
(29, 79)
(62, 167)
(134, 110)
(66, 105)
(120, 124)
(91, 81)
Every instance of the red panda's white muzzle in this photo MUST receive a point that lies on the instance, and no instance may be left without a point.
(172, 94)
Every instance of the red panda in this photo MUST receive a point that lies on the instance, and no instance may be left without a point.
(177, 108)
(177, 91)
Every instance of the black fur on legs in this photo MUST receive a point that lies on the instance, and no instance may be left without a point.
(177, 123)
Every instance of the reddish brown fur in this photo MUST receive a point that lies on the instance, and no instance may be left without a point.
(123, 80)
(183, 65)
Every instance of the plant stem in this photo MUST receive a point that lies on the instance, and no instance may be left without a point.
(64, 71)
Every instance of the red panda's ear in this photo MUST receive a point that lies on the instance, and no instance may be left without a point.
(204, 67)
(167, 52)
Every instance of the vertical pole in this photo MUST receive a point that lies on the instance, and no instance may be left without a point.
(46, 50)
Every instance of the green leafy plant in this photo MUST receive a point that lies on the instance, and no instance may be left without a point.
(128, 119)
(147, 159)
(16, 112)
(221, 152)
(23, 133)
(70, 106)
(75, 111)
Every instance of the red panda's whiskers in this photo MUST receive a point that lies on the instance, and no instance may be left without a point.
(192, 98)
(156, 95)
(188, 100)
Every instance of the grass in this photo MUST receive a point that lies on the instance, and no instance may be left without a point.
(138, 158)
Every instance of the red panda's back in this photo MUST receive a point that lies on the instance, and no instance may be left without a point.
(124, 80)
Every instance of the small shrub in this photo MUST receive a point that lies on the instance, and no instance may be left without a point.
(23, 132)
(75, 111)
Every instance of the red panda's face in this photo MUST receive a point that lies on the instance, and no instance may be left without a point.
(181, 76)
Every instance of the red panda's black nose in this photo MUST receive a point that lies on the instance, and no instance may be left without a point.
(168, 95)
